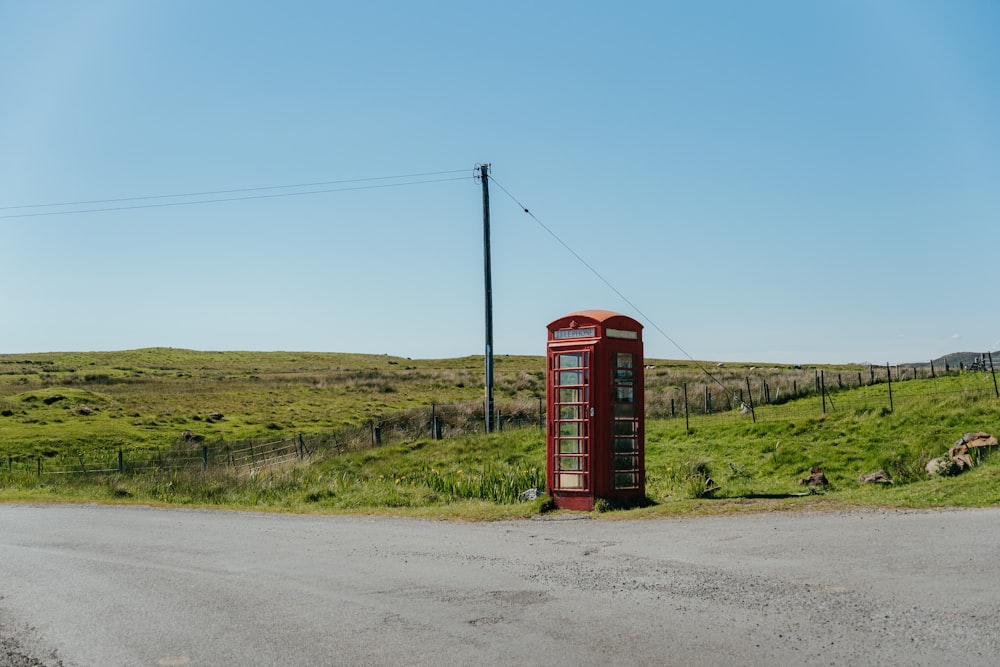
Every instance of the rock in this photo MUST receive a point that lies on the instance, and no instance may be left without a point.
(934, 466)
(878, 477)
(941, 466)
(959, 454)
(192, 437)
(214, 416)
(815, 478)
(976, 440)
(967, 448)
(530, 494)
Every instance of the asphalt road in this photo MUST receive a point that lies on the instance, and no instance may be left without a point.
(91, 585)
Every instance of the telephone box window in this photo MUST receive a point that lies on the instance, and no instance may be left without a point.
(570, 429)
(624, 445)
(570, 377)
(570, 481)
(624, 410)
(570, 412)
(624, 427)
(570, 360)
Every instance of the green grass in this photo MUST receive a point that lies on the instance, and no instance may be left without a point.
(725, 463)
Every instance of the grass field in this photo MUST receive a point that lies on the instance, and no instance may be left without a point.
(52, 404)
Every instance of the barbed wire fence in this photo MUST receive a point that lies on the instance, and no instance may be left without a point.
(882, 389)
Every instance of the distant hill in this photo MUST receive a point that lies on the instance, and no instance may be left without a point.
(961, 360)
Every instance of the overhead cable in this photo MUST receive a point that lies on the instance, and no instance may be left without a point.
(230, 199)
(607, 282)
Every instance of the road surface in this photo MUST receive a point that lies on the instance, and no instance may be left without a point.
(95, 585)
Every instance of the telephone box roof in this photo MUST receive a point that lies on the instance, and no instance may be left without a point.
(597, 316)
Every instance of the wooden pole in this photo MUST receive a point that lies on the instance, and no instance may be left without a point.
(753, 413)
(888, 371)
(822, 385)
(687, 422)
(993, 371)
(484, 170)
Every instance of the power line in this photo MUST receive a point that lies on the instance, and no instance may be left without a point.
(234, 190)
(607, 282)
(228, 199)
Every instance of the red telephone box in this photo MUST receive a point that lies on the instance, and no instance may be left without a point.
(594, 389)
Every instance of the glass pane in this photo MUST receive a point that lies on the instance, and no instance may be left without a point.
(626, 480)
(623, 394)
(570, 429)
(570, 377)
(624, 427)
(624, 463)
(570, 360)
(623, 376)
(570, 395)
(571, 447)
(570, 463)
(569, 480)
(570, 412)
(625, 360)
(624, 410)
(624, 445)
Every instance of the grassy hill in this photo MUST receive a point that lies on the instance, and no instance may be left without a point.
(724, 462)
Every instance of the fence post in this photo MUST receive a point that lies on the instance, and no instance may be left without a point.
(204, 458)
(499, 421)
(888, 371)
(83, 467)
(673, 413)
(708, 401)
(541, 414)
(376, 434)
(38, 461)
(840, 382)
(302, 447)
(822, 385)
(932, 368)
(993, 371)
(437, 428)
(121, 462)
(753, 413)
(795, 388)
(817, 382)
(433, 422)
(687, 422)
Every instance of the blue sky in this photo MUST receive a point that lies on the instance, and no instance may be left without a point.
(783, 181)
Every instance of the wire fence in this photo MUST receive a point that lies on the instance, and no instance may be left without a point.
(878, 388)
(436, 422)
(882, 389)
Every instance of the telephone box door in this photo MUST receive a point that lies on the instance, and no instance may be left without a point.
(571, 419)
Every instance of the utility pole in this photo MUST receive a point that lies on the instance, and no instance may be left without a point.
(484, 177)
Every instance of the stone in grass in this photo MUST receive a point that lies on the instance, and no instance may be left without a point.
(815, 478)
(878, 477)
